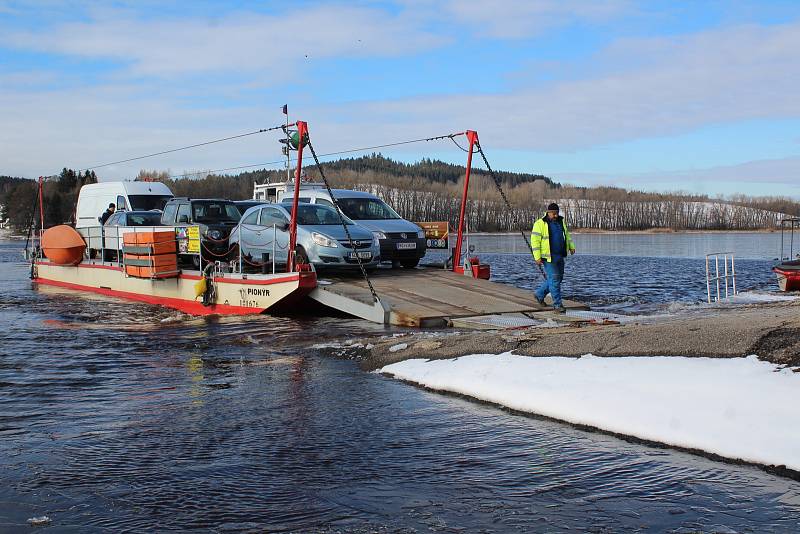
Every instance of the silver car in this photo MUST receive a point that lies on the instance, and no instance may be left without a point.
(321, 239)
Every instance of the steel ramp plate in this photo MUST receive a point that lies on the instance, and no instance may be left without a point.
(427, 297)
(495, 322)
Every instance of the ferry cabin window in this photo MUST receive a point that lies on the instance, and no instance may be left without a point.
(251, 218)
(169, 213)
(184, 210)
(121, 203)
(272, 194)
(259, 196)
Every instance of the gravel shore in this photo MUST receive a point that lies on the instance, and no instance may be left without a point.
(771, 331)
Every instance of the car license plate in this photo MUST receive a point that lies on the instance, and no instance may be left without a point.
(362, 255)
(406, 246)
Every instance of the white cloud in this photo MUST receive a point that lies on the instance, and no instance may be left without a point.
(665, 88)
(245, 42)
(512, 19)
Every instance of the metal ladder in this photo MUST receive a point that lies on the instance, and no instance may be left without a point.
(728, 274)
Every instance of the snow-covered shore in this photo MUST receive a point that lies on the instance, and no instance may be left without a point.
(737, 408)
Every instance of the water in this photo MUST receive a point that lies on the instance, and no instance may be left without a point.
(117, 416)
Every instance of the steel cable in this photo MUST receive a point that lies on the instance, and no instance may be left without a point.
(344, 224)
(508, 204)
(263, 130)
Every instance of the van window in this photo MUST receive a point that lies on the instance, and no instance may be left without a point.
(169, 213)
(184, 209)
(121, 203)
(365, 208)
(148, 202)
(324, 202)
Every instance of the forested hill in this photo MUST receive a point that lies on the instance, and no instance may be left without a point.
(431, 169)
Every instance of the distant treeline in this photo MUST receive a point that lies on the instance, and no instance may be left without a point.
(19, 197)
(430, 190)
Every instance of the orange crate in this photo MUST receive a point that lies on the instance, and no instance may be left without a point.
(132, 270)
(129, 238)
(158, 260)
(155, 238)
(164, 271)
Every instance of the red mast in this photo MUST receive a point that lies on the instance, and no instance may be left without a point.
(302, 133)
(472, 136)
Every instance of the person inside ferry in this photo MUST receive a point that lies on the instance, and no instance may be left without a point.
(108, 213)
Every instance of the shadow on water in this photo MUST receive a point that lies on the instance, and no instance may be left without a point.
(118, 416)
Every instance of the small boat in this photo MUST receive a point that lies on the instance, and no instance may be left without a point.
(788, 270)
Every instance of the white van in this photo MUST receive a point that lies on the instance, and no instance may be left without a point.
(94, 199)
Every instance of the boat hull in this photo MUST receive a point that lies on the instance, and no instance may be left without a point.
(235, 294)
(788, 276)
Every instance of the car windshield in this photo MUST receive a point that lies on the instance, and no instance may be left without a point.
(151, 218)
(315, 214)
(211, 211)
(363, 208)
(148, 202)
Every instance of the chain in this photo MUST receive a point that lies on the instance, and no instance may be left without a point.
(344, 224)
(508, 204)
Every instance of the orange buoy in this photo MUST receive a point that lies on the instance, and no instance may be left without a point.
(63, 245)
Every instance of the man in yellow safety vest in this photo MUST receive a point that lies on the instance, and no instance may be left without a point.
(550, 242)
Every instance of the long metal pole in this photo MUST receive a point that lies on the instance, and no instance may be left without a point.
(708, 282)
(726, 277)
(274, 239)
(302, 132)
(716, 262)
(472, 136)
(733, 273)
(288, 150)
(41, 203)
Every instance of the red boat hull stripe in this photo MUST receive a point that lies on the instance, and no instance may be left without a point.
(187, 306)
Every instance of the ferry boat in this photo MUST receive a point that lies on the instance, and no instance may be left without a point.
(156, 264)
(788, 270)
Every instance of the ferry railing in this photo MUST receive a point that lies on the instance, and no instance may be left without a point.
(788, 225)
(728, 278)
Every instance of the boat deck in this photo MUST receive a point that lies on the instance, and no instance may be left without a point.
(425, 297)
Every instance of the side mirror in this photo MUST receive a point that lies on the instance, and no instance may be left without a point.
(284, 227)
(183, 219)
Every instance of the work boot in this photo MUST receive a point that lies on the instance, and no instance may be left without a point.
(559, 309)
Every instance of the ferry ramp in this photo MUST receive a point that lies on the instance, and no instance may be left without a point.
(425, 297)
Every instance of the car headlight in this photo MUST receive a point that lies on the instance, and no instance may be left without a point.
(323, 240)
(214, 234)
(421, 234)
(379, 235)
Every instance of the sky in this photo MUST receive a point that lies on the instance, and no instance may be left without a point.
(694, 96)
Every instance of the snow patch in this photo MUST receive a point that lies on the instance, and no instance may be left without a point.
(738, 408)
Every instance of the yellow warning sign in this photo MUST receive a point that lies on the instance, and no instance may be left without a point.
(436, 233)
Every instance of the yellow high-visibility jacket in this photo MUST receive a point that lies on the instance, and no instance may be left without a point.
(540, 239)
